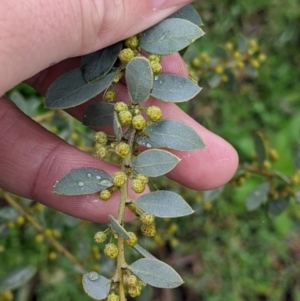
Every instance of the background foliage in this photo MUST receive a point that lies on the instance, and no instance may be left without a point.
(223, 252)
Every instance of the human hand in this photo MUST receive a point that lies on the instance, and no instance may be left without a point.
(35, 35)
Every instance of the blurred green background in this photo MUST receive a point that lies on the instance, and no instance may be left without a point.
(223, 252)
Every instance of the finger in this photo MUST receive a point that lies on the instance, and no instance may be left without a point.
(33, 159)
(38, 34)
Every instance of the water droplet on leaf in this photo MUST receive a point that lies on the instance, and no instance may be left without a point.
(93, 276)
(80, 183)
(89, 175)
(98, 177)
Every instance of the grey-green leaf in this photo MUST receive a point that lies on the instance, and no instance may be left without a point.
(154, 162)
(188, 13)
(71, 89)
(17, 278)
(297, 157)
(95, 285)
(211, 195)
(139, 79)
(97, 64)
(260, 149)
(8, 213)
(275, 207)
(143, 252)
(117, 127)
(118, 228)
(164, 204)
(174, 88)
(98, 114)
(174, 134)
(140, 139)
(169, 36)
(256, 197)
(83, 181)
(156, 273)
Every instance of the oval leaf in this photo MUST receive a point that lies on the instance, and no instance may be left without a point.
(97, 64)
(71, 90)
(154, 162)
(9, 213)
(174, 134)
(98, 114)
(297, 157)
(155, 273)
(257, 196)
(17, 278)
(118, 228)
(164, 204)
(174, 88)
(275, 207)
(139, 79)
(260, 148)
(188, 13)
(143, 252)
(211, 195)
(169, 36)
(82, 181)
(95, 285)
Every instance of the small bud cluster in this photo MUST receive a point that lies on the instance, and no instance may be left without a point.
(113, 297)
(134, 285)
(148, 226)
(139, 183)
(235, 61)
(155, 63)
(109, 96)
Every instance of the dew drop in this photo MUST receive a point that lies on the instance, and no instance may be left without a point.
(98, 177)
(156, 77)
(80, 183)
(93, 276)
(106, 183)
(148, 145)
(89, 175)
(160, 82)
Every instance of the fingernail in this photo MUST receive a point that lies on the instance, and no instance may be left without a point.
(161, 4)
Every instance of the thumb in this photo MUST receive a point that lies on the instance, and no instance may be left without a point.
(35, 34)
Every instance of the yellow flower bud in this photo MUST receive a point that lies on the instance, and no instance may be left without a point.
(138, 186)
(132, 42)
(110, 96)
(154, 113)
(105, 195)
(125, 117)
(100, 137)
(101, 152)
(126, 55)
(111, 250)
(133, 239)
(119, 179)
(156, 67)
(147, 218)
(120, 106)
(138, 122)
(100, 237)
(122, 149)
